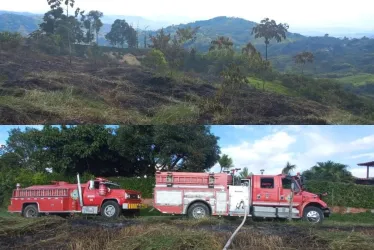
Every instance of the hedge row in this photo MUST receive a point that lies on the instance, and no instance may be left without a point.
(144, 185)
(344, 194)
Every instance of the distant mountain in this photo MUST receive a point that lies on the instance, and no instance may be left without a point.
(19, 23)
(137, 21)
(238, 29)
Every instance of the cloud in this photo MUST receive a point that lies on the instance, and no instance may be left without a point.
(366, 155)
(269, 152)
(303, 146)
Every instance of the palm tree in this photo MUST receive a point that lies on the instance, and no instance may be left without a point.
(221, 42)
(329, 171)
(244, 174)
(270, 30)
(288, 168)
(225, 162)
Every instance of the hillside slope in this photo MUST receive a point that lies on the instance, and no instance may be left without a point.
(36, 88)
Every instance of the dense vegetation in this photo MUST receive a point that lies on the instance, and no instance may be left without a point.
(29, 156)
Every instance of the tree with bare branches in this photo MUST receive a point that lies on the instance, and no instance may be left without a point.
(303, 58)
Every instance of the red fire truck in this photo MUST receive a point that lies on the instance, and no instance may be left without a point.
(98, 196)
(264, 196)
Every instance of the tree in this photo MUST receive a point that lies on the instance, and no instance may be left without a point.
(302, 58)
(187, 34)
(288, 168)
(120, 33)
(244, 173)
(225, 162)
(93, 23)
(221, 43)
(329, 171)
(160, 41)
(186, 148)
(270, 30)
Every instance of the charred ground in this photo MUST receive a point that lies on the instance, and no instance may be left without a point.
(36, 88)
(176, 233)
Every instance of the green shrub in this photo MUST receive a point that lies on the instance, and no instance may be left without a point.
(10, 40)
(144, 185)
(156, 60)
(344, 194)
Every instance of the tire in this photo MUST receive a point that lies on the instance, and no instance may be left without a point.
(31, 211)
(198, 211)
(110, 210)
(313, 215)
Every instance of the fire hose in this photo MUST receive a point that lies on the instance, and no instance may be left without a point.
(239, 227)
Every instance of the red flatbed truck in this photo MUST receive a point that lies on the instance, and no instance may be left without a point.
(98, 196)
(267, 196)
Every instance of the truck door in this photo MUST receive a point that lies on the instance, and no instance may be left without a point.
(265, 192)
(285, 191)
(91, 195)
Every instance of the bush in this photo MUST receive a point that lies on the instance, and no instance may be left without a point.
(144, 185)
(10, 40)
(156, 60)
(344, 194)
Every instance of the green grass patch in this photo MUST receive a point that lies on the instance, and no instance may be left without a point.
(65, 105)
(183, 113)
(275, 86)
(358, 80)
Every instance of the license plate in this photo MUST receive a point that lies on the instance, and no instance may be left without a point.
(137, 206)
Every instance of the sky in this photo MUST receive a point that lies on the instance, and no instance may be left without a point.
(270, 147)
(317, 13)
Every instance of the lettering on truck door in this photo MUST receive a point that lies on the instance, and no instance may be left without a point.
(265, 192)
(91, 195)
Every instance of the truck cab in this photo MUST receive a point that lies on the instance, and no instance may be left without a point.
(272, 196)
(97, 197)
(266, 196)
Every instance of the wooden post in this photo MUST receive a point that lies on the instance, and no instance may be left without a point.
(367, 172)
(291, 206)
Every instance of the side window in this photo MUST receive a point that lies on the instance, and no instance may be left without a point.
(267, 182)
(286, 183)
(97, 185)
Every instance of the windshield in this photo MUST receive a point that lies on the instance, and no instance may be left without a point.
(112, 185)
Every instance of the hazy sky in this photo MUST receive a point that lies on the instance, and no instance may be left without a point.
(270, 147)
(317, 13)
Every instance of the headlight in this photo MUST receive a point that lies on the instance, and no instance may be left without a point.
(127, 196)
(139, 196)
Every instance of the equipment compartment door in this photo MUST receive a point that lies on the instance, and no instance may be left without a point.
(239, 199)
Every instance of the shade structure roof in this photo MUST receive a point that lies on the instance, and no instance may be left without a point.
(367, 164)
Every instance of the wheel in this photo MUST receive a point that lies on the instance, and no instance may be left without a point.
(31, 211)
(313, 215)
(198, 211)
(110, 210)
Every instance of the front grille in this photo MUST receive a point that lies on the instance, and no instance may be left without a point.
(133, 196)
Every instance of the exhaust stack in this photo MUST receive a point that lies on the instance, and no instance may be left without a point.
(80, 191)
